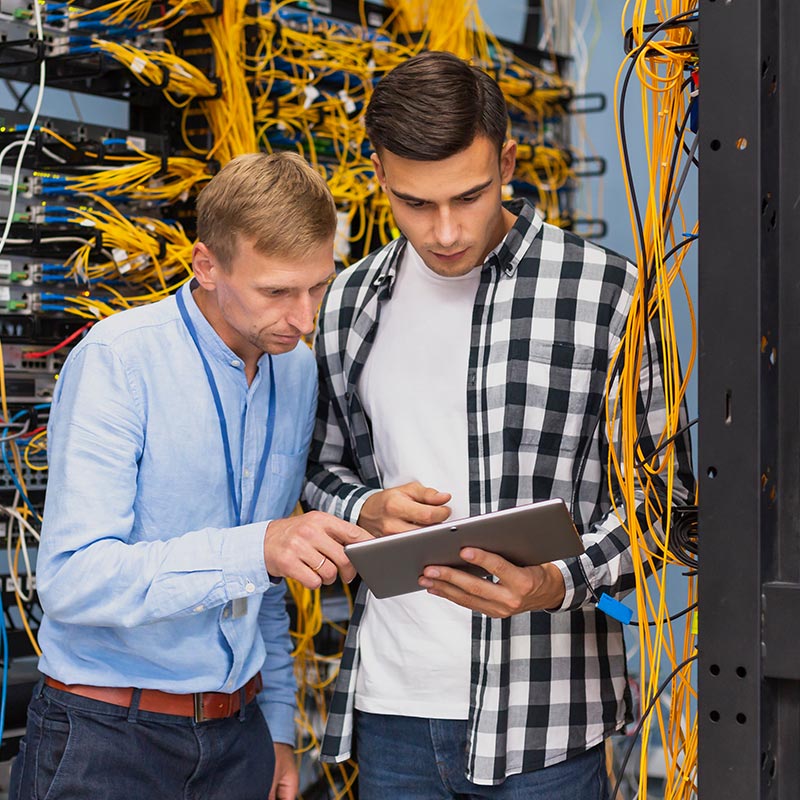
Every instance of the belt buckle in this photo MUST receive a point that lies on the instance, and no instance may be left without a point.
(197, 697)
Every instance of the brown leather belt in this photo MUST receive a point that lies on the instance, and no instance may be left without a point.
(201, 705)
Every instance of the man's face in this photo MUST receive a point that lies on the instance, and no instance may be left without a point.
(264, 304)
(450, 210)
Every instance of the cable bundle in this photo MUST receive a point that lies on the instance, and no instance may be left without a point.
(242, 77)
(660, 57)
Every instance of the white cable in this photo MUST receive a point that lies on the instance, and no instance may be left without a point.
(52, 155)
(76, 107)
(12, 572)
(21, 523)
(547, 24)
(37, 13)
(8, 147)
(53, 239)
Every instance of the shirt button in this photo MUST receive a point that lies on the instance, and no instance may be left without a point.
(246, 473)
(249, 587)
(236, 363)
(198, 609)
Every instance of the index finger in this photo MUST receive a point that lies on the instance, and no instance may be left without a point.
(345, 532)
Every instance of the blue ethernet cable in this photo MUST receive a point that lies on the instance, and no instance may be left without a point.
(5, 671)
(10, 469)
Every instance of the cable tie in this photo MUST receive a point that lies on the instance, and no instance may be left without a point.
(165, 77)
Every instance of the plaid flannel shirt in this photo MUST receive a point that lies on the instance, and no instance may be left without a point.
(549, 313)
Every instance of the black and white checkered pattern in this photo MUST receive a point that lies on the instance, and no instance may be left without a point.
(549, 313)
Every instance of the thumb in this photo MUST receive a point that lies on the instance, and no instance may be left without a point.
(426, 494)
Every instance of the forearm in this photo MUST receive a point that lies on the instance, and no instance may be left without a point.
(277, 700)
(108, 582)
(643, 506)
(607, 566)
(336, 490)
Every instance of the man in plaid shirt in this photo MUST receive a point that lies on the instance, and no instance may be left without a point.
(463, 369)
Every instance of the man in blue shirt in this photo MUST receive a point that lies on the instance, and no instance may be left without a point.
(177, 446)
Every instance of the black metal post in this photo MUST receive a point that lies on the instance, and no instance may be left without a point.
(749, 398)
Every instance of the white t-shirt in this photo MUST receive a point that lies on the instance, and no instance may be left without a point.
(415, 649)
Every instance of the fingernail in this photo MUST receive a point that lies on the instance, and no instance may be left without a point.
(468, 554)
(425, 583)
(432, 573)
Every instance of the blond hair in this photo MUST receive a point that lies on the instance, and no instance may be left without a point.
(278, 202)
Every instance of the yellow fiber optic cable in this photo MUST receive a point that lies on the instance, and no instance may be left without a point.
(660, 67)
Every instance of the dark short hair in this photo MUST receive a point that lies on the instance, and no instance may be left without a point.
(433, 106)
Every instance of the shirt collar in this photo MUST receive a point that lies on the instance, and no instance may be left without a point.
(387, 269)
(516, 243)
(506, 255)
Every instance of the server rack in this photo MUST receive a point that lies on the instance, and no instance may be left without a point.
(749, 398)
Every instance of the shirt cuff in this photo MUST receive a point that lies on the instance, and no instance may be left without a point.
(570, 590)
(280, 721)
(355, 509)
(243, 565)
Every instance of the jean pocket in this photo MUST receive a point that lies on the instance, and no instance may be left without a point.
(56, 743)
(19, 766)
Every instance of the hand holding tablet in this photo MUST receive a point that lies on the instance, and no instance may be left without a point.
(526, 535)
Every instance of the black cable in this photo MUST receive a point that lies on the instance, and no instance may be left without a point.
(688, 239)
(683, 536)
(629, 172)
(640, 462)
(679, 131)
(617, 369)
(646, 713)
(21, 98)
(686, 148)
(670, 619)
(650, 281)
(623, 137)
(617, 366)
(21, 106)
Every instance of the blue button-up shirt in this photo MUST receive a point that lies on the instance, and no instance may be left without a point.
(140, 558)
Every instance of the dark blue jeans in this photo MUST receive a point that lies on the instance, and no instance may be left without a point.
(80, 749)
(407, 758)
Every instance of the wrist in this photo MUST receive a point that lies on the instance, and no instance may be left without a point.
(369, 522)
(554, 587)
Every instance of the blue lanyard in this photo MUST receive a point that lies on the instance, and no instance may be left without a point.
(223, 425)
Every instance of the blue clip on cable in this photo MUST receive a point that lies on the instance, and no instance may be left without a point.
(614, 609)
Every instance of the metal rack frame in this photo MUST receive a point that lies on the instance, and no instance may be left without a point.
(749, 398)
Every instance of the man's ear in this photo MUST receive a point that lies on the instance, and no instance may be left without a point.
(203, 266)
(508, 160)
(379, 174)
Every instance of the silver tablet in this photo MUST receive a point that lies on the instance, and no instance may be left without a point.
(525, 535)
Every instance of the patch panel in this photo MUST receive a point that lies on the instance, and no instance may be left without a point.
(19, 358)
